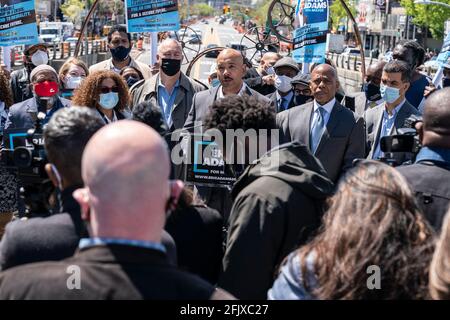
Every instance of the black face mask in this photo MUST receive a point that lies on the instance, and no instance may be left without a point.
(301, 99)
(170, 66)
(131, 81)
(372, 91)
(120, 53)
(446, 82)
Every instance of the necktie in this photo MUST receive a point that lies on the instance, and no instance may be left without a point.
(282, 105)
(317, 129)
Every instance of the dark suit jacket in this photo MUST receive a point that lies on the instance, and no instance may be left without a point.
(23, 114)
(254, 80)
(148, 90)
(197, 231)
(374, 117)
(273, 98)
(202, 101)
(341, 143)
(52, 238)
(109, 272)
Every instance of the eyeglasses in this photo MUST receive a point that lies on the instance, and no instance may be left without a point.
(305, 92)
(108, 90)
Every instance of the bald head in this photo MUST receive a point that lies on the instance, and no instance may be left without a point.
(230, 70)
(374, 72)
(436, 119)
(268, 60)
(230, 54)
(169, 44)
(125, 168)
(324, 83)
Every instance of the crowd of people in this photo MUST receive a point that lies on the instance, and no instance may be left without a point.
(326, 207)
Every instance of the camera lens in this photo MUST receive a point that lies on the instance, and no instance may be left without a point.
(22, 157)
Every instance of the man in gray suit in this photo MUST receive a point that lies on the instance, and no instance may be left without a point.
(332, 132)
(388, 117)
(170, 89)
(230, 71)
(370, 96)
(285, 70)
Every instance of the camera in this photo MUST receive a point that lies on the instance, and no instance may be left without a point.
(407, 141)
(28, 163)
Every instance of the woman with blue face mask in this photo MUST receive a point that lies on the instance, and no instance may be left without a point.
(107, 92)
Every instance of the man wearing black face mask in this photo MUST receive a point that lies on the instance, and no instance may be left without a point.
(170, 89)
(119, 43)
(370, 96)
(302, 92)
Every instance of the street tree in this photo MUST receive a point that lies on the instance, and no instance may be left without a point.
(429, 16)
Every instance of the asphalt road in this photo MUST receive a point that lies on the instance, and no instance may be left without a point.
(221, 35)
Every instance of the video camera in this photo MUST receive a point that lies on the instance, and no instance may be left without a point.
(28, 163)
(407, 141)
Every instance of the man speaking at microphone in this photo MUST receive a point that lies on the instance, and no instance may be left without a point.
(45, 84)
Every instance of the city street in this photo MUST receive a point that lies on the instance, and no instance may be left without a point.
(222, 35)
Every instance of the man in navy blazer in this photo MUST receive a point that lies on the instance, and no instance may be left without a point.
(342, 137)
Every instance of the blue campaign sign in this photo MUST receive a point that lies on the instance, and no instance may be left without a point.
(152, 15)
(311, 30)
(18, 23)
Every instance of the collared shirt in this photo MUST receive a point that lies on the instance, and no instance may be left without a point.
(373, 104)
(387, 125)
(328, 107)
(92, 242)
(166, 100)
(106, 119)
(287, 100)
(220, 93)
(112, 67)
(434, 154)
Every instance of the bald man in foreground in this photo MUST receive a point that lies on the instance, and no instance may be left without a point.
(230, 71)
(125, 201)
(429, 176)
(334, 134)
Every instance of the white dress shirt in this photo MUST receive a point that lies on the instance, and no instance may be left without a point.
(221, 95)
(328, 107)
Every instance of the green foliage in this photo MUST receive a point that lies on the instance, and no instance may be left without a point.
(202, 9)
(72, 10)
(429, 15)
(337, 12)
(260, 14)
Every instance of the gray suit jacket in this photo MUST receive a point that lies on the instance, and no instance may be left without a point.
(374, 117)
(273, 98)
(23, 114)
(148, 90)
(341, 143)
(202, 101)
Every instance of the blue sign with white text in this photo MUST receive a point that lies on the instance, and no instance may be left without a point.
(18, 23)
(152, 15)
(310, 34)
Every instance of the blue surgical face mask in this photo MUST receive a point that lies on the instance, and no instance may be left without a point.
(215, 82)
(109, 100)
(389, 94)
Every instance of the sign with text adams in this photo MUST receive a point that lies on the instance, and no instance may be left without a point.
(152, 15)
(206, 166)
(17, 23)
(310, 34)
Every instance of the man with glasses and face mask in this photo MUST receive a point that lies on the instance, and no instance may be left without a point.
(170, 89)
(33, 56)
(45, 88)
(119, 43)
(302, 91)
